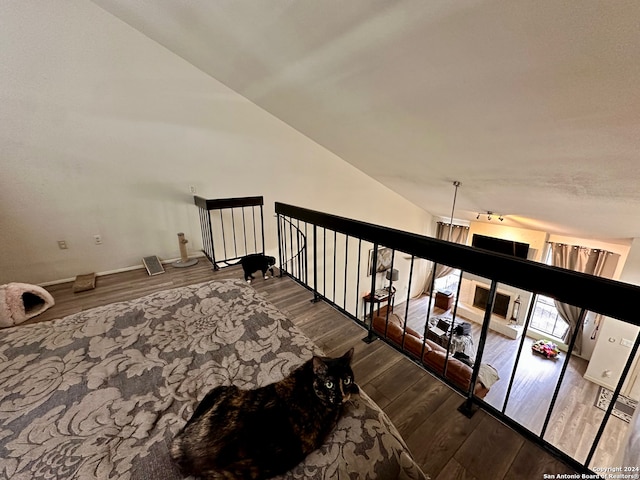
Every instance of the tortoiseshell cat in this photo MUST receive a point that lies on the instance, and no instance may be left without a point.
(257, 434)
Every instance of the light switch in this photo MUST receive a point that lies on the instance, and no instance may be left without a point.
(625, 342)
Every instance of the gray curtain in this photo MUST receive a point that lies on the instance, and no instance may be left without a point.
(580, 259)
(454, 234)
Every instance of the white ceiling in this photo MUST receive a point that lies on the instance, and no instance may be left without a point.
(533, 106)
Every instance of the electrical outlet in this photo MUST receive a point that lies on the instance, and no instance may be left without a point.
(625, 342)
(97, 239)
(192, 188)
(62, 244)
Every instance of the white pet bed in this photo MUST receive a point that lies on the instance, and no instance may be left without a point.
(21, 301)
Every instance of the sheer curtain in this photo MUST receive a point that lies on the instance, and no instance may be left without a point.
(585, 260)
(459, 234)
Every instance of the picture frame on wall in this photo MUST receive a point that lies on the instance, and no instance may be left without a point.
(383, 261)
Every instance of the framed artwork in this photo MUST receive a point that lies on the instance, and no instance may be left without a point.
(383, 262)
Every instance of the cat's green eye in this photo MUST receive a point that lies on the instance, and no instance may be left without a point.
(347, 380)
(328, 384)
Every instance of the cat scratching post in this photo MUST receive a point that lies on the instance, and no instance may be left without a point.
(184, 258)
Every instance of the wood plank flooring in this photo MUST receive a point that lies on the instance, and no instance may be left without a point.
(575, 418)
(445, 443)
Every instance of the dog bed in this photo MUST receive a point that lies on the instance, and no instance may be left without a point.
(21, 301)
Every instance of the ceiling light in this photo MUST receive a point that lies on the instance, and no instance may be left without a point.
(490, 215)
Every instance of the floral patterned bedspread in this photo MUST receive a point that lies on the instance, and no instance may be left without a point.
(101, 393)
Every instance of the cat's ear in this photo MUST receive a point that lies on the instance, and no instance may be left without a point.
(319, 367)
(347, 357)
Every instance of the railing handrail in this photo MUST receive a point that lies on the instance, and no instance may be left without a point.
(575, 288)
(222, 203)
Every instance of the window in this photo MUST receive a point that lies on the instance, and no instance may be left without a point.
(546, 318)
(448, 282)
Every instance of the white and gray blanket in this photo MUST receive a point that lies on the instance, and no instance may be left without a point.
(101, 393)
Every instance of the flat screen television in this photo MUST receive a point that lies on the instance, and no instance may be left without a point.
(499, 245)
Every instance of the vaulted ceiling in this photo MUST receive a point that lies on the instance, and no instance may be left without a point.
(533, 106)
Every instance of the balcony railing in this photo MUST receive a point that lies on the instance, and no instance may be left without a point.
(232, 227)
(341, 261)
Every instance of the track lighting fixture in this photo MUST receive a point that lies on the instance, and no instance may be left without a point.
(490, 215)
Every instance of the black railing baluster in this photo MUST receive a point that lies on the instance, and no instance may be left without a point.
(374, 261)
(468, 408)
(315, 264)
(426, 323)
(286, 249)
(233, 228)
(244, 232)
(453, 324)
(324, 262)
(390, 297)
(346, 262)
(565, 365)
(406, 310)
(280, 246)
(291, 244)
(623, 377)
(255, 237)
(224, 238)
(335, 254)
(522, 339)
(262, 227)
(358, 280)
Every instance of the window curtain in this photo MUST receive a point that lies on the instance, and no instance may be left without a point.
(585, 260)
(459, 234)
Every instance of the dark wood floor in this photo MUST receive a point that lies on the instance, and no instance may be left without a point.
(444, 442)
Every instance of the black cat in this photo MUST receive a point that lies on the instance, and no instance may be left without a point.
(254, 262)
(257, 434)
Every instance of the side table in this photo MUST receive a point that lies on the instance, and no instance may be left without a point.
(382, 295)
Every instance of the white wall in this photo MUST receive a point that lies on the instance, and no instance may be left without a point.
(612, 349)
(104, 131)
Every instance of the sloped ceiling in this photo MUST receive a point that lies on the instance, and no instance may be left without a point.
(533, 106)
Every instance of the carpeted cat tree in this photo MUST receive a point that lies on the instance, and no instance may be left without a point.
(21, 301)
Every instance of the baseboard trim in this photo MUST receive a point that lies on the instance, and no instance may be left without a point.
(117, 270)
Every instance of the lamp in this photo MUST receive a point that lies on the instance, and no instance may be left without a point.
(516, 310)
(392, 275)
